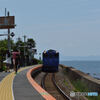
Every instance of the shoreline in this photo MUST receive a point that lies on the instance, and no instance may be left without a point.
(89, 67)
(74, 75)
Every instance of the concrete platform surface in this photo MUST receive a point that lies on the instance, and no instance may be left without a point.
(23, 90)
(3, 75)
(17, 87)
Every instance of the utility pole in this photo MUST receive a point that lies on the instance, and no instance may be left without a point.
(7, 22)
(5, 12)
(24, 44)
(9, 44)
(24, 49)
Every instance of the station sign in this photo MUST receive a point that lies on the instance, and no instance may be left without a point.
(7, 22)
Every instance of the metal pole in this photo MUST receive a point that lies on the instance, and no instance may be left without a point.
(24, 49)
(5, 12)
(24, 44)
(9, 45)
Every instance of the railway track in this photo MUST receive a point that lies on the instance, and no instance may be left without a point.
(54, 84)
(49, 84)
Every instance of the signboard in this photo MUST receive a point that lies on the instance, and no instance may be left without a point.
(7, 22)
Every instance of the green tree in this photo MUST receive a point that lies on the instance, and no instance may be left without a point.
(3, 49)
(17, 45)
(31, 42)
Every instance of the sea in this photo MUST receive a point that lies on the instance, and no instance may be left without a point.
(90, 67)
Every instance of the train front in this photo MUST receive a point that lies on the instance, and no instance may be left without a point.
(50, 61)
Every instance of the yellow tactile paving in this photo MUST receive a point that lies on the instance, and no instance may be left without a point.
(6, 92)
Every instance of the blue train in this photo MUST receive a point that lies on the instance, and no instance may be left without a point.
(50, 61)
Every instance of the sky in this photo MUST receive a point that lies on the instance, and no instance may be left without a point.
(72, 27)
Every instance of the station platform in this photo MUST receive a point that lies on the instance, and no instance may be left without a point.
(22, 89)
(3, 74)
(21, 86)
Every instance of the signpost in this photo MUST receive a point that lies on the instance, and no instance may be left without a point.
(7, 22)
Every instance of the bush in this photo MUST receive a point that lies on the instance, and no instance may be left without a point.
(79, 86)
(3, 68)
(36, 61)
